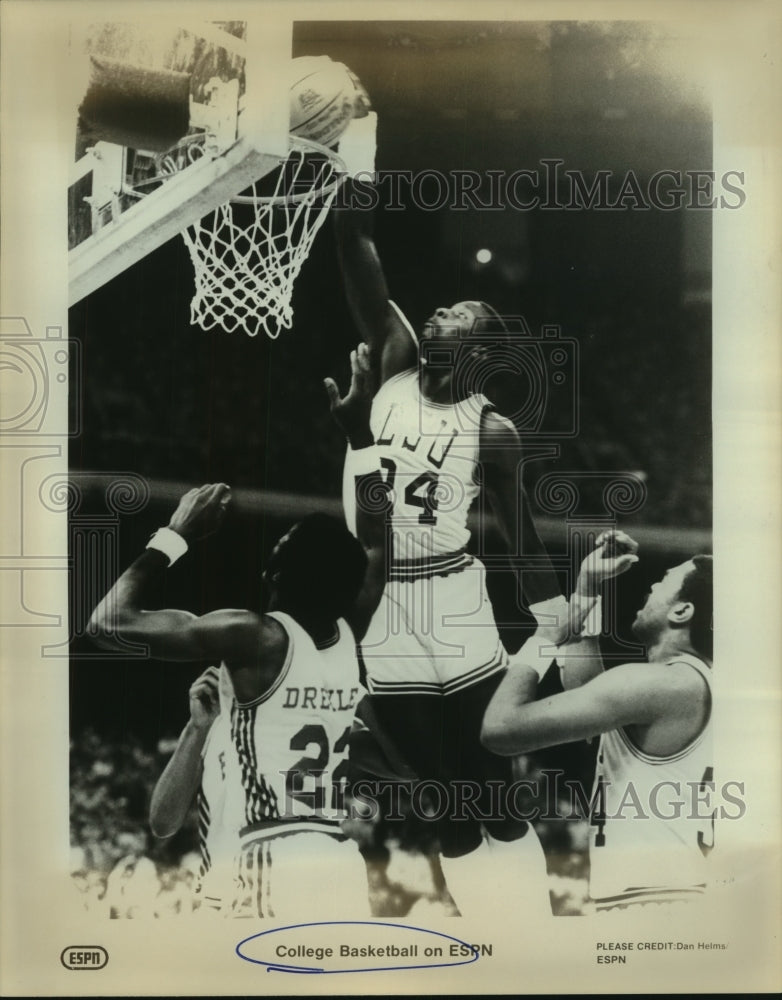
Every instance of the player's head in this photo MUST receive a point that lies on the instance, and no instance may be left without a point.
(317, 566)
(683, 599)
(462, 321)
(457, 342)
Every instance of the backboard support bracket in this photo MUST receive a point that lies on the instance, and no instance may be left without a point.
(239, 123)
(157, 218)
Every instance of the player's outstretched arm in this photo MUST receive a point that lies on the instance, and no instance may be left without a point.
(372, 501)
(580, 658)
(579, 661)
(501, 465)
(613, 554)
(173, 634)
(629, 694)
(178, 784)
(380, 323)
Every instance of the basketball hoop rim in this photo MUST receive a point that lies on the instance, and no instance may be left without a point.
(302, 145)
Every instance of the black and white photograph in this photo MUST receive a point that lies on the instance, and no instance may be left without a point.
(390, 459)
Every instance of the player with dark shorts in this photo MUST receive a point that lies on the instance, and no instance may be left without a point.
(432, 653)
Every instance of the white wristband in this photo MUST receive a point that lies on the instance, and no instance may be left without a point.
(364, 460)
(531, 655)
(169, 542)
(358, 146)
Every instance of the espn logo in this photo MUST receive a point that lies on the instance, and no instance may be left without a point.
(82, 957)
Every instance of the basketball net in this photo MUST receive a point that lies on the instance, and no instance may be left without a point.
(248, 253)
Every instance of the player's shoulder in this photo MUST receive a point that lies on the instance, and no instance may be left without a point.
(672, 681)
(497, 430)
(250, 634)
(686, 673)
(274, 635)
(682, 661)
(256, 669)
(399, 381)
(233, 629)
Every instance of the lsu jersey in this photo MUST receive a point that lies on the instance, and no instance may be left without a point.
(429, 456)
(652, 822)
(291, 744)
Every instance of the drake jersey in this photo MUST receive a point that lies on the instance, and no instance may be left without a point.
(292, 748)
(429, 455)
(292, 741)
(652, 824)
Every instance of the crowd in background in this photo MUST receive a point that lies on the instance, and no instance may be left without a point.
(121, 870)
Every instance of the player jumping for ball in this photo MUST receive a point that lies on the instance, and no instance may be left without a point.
(650, 831)
(432, 652)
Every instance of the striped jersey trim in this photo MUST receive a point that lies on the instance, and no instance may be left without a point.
(659, 895)
(260, 798)
(204, 822)
(328, 643)
(210, 902)
(257, 832)
(408, 570)
(253, 882)
(498, 662)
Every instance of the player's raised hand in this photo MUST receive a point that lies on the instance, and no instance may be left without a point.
(352, 411)
(614, 553)
(205, 698)
(201, 511)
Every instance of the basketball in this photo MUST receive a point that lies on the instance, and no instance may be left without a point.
(323, 98)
